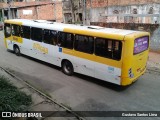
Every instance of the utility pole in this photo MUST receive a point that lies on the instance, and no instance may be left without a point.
(84, 12)
(9, 8)
(55, 16)
(90, 11)
(72, 10)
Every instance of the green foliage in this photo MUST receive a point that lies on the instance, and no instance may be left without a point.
(11, 99)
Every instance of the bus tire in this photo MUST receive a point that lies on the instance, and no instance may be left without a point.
(67, 67)
(17, 50)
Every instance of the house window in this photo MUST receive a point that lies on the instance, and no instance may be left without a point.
(135, 11)
(115, 12)
(150, 10)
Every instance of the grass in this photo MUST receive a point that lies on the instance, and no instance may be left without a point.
(11, 99)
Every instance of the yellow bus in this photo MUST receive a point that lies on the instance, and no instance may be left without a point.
(114, 55)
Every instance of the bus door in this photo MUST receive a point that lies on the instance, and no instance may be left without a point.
(37, 50)
(50, 47)
(16, 34)
(7, 33)
(27, 46)
(12, 34)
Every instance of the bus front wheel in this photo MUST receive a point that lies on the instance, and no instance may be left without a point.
(16, 50)
(67, 67)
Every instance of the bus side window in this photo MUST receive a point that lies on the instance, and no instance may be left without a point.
(100, 47)
(50, 37)
(7, 29)
(25, 32)
(84, 44)
(117, 50)
(54, 37)
(36, 34)
(65, 40)
(108, 48)
(15, 30)
(59, 42)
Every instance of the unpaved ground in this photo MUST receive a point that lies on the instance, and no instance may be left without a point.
(85, 93)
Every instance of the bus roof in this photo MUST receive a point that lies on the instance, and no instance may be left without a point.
(78, 29)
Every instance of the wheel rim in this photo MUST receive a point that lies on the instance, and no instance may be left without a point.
(16, 50)
(67, 67)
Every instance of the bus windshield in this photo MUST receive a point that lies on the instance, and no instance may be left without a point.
(141, 44)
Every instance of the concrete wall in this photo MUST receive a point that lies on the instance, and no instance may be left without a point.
(154, 30)
(155, 40)
(104, 3)
(98, 14)
(94, 15)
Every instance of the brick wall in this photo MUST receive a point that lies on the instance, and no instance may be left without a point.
(46, 12)
(59, 12)
(23, 4)
(31, 16)
(40, 10)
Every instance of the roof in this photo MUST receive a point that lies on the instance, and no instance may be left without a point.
(71, 27)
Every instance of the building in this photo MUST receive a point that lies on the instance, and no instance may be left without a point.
(124, 14)
(72, 11)
(124, 11)
(32, 9)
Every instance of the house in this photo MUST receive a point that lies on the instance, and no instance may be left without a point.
(32, 9)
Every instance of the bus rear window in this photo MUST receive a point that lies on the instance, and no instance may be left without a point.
(141, 44)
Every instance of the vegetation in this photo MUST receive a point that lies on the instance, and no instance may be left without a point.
(11, 99)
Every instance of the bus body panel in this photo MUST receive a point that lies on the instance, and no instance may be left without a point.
(108, 73)
(94, 33)
(10, 41)
(121, 72)
(79, 61)
(93, 66)
(26, 47)
(133, 65)
(41, 51)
